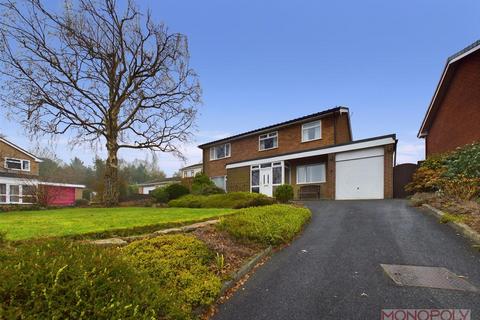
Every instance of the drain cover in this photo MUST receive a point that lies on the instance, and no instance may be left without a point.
(430, 277)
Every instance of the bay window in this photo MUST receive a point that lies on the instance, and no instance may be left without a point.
(268, 141)
(311, 173)
(312, 131)
(220, 151)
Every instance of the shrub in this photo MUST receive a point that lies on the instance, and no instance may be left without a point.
(180, 266)
(235, 200)
(464, 161)
(176, 190)
(160, 195)
(68, 280)
(284, 193)
(81, 203)
(460, 187)
(202, 184)
(269, 225)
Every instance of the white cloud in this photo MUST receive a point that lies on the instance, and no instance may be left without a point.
(410, 152)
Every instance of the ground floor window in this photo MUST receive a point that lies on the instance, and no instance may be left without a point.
(15, 193)
(311, 173)
(220, 182)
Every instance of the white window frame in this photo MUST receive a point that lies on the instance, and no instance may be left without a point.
(309, 165)
(21, 161)
(311, 125)
(266, 136)
(213, 155)
(224, 181)
(5, 194)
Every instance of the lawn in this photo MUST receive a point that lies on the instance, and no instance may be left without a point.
(20, 225)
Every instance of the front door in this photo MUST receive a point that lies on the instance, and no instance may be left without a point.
(266, 181)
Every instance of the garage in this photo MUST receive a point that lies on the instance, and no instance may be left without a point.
(360, 174)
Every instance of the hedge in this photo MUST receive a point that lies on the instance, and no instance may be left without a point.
(179, 266)
(68, 280)
(269, 225)
(235, 200)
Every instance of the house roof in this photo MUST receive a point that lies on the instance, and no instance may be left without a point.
(342, 147)
(11, 144)
(280, 125)
(447, 75)
(159, 182)
(192, 166)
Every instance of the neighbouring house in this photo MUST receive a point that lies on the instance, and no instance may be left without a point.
(147, 187)
(453, 116)
(191, 171)
(316, 154)
(20, 183)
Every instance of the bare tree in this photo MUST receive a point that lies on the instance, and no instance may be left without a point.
(99, 74)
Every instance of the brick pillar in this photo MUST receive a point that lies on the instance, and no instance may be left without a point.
(330, 192)
(388, 172)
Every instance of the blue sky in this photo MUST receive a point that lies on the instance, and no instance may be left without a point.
(262, 62)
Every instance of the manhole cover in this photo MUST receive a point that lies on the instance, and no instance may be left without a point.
(430, 277)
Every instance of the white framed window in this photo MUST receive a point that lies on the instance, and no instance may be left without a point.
(311, 173)
(268, 141)
(220, 151)
(220, 182)
(17, 164)
(312, 131)
(3, 193)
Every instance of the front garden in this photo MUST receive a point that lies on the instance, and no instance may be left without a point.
(173, 276)
(451, 183)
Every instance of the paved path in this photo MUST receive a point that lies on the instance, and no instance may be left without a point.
(346, 241)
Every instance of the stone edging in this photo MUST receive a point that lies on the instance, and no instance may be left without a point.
(122, 241)
(460, 227)
(246, 268)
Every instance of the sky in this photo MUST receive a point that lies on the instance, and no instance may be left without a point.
(263, 62)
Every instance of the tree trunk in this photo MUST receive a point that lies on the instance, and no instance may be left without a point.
(110, 193)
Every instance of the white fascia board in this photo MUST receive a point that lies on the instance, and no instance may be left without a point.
(68, 185)
(319, 152)
(21, 150)
(13, 180)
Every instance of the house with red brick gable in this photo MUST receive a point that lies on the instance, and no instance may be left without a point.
(452, 119)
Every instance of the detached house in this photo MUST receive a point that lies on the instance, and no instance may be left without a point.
(20, 184)
(315, 154)
(453, 116)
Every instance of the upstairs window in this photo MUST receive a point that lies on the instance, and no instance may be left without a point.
(220, 152)
(268, 141)
(17, 164)
(312, 131)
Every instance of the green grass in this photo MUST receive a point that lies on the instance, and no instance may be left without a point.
(448, 217)
(97, 222)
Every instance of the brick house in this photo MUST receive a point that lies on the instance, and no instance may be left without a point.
(20, 184)
(315, 154)
(453, 116)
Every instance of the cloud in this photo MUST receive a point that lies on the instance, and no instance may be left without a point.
(410, 152)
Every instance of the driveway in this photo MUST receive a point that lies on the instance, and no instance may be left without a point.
(339, 276)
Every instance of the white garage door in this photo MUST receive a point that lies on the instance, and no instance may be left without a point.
(359, 174)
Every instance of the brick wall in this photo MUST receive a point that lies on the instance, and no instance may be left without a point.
(8, 151)
(289, 140)
(457, 121)
(388, 171)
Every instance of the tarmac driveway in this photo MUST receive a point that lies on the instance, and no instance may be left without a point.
(339, 275)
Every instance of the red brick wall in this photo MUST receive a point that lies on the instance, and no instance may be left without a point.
(388, 171)
(289, 140)
(457, 121)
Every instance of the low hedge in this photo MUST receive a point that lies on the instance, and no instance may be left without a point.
(68, 280)
(235, 200)
(269, 225)
(179, 266)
